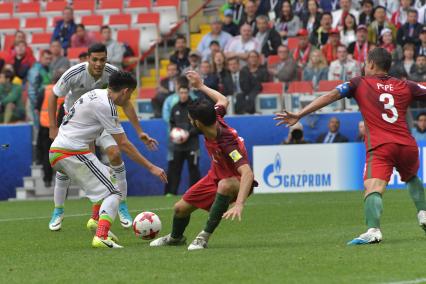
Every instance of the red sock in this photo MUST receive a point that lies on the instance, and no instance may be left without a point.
(95, 211)
(103, 229)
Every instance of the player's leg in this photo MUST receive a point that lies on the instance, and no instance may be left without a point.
(227, 190)
(62, 183)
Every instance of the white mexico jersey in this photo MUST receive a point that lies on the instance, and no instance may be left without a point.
(77, 81)
(90, 115)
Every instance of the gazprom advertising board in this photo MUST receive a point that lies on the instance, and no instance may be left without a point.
(315, 167)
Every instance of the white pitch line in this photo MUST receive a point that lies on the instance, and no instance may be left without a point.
(414, 281)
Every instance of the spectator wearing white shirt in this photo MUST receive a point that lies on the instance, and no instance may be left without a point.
(340, 15)
(348, 33)
(216, 34)
(391, 6)
(241, 45)
(400, 16)
(115, 50)
(343, 68)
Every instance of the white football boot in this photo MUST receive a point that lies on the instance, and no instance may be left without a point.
(372, 236)
(168, 241)
(55, 223)
(421, 216)
(200, 241)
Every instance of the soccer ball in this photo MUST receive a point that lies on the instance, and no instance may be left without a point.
(178, 135)
(146, 225)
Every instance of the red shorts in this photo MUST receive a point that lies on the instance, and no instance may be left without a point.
(380, 161)
(203, 193)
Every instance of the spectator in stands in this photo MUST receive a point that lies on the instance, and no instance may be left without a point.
(82, 38)
(333, 135)
(256, 68)
(216, 34)
(39, 77)
(115, 50)
(386, 42)
(366, 16)
(286, 69)
(194, 62)
(180, 56)
(130, 58)
(340, 14)
(401, 15)
(361, 131)
(288, 24)
(270, 8)
(228, 24)
(166, 88)
(210, 79)
(410, 31)
(359, 49)
(320, 36)
(59, 61)
(65, 28)
(303, 50)
(330, 49)
(241, 45)
(419, 71)
(391, 6)
(189, 150)
(20, 60)
(214, 48)
(401, 69)
(246, 87)
(422, 48)
(21, 36)
(83, 57)
(311, 20)
(317, 68)
(295, 135)
(249, 16)
(329, 5)
(268, 38)
(2, 63)
(347, 34)
(419, 130)
(220, 68)
(343, 68)
(11, 106)
(300, 8)
(237, 8)
(380, 22)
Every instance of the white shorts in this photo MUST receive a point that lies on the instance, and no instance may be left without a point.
(89, 174)
(105, 141)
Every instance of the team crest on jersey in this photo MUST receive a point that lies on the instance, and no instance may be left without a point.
(235, 156)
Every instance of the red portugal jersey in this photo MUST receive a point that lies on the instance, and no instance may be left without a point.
(227, 151)
(383, 101)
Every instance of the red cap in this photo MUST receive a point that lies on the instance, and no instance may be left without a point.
(335, 31)
(303, 32)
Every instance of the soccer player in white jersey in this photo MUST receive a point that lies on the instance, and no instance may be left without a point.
(69, 154)
(75, 82)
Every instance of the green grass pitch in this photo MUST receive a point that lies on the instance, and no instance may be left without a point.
(283, 238)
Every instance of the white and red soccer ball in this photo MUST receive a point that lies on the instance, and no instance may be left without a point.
(178, 135)
(147, 225)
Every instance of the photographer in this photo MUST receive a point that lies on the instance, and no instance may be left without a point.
(295, 135)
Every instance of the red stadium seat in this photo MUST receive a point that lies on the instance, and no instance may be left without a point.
(131, 38)
(173, 3)
(6, 10)
(272, 88)
(168, 10)
(41, 38)
(137, 6)
(148, 18)
(122, 21)
(273, 59)
(147, 93)
(8, 41)
(300, 87)
(31, 9)
(92, 22)
(74, 52)
(35, 25)
(292, 42)
(55, 7)
(3, 55)
(148, 24)
(9, 25)
(83, 7)
(107, 7)
(326, 86)
(269, 100)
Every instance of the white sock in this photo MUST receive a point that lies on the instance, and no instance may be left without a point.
(120, 175)
(62, 182)
(110, 206)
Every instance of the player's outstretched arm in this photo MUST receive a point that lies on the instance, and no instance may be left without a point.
(196, 82)
(290, 118)
(130, 112)
(246, 183)
(127, 147)
(51, 110)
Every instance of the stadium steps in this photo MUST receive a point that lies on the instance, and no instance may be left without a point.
(34, 188)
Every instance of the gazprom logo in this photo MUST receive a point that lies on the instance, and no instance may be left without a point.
(274, 176)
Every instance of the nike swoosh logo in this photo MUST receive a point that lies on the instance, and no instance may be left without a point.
(125, 223)
(107, 244)
(57, 224)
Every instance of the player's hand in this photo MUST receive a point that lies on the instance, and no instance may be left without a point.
(53, 132)
(286, 117)
(194, 78)
(235, 211)
(149, 142)
(160, 173)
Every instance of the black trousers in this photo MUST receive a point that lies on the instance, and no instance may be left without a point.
(157, 104)
(245, 103)
(43, 146)
(174, 170)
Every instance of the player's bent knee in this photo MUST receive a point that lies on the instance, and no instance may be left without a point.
(114, 155)
(226, 187)
(374, 185)
(182, 209)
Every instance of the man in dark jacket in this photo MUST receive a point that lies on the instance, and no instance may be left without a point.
(410, 31)
(268, 38)
(189, 150)
(166, 88)
(180, 57)
(64, 29)
(333, 135)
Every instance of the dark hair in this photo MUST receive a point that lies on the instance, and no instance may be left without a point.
(379, 7)
(120, 80)
(325, 14)
(97, 47)
(290, 16)
(180, 36)
(234, 58)
(214, 42)
(420, 114)
(344, 25)
(105, 27)
(9, 74)
(203, 111)
(80, 26)
(182, 82)
(46, 51)
(381, 58)
(82, 55)
(412, 11)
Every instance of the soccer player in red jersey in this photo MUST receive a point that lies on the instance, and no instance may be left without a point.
(383, 101)
(230, 178)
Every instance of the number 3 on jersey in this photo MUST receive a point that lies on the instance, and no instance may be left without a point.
(389, 105)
